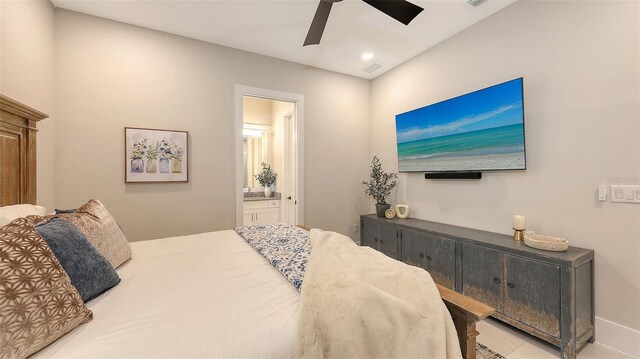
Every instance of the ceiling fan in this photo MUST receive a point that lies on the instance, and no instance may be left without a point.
(400, 10)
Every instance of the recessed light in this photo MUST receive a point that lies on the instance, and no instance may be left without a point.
(367, 56)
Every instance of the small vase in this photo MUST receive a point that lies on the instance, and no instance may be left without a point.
(268, 192)
(137, 165)
(164, 165)
(381, 208)
(176, 165)
(152, 166)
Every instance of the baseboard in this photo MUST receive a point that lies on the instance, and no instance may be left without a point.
(618, 337)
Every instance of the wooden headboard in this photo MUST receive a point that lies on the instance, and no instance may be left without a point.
(18, 152)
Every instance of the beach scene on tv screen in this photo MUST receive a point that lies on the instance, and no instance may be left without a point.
(483, 130)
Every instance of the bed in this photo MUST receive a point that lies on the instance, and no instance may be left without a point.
(205, 295)
(234, 304)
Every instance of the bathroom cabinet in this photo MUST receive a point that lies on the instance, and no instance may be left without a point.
(261, 212)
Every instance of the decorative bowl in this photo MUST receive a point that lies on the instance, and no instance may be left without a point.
(390, 213)
(546, 243)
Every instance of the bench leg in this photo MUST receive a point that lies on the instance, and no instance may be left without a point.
(467, 333)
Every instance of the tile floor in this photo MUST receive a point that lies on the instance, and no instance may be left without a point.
(515, 344)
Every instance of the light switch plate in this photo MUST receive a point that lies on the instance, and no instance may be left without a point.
(602, 192)
(625, 194)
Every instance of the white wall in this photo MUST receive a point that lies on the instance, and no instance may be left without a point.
(280, 109)
(27, 73)
(581, 65)
(111, 75)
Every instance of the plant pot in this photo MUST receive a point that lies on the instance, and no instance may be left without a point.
(137, 165)
(164, 165)
(268, 192)
(152, 166)
(381, 208)
(176, 165)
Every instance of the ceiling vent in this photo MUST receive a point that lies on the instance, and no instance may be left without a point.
(372, 67)
(476, 2)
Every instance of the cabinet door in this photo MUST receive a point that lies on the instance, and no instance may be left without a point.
(440, 260)
(247, 217)
(413, 248)
(532, 294)
(482, 275)
(389, 240)
(369, 234)
(267, 215)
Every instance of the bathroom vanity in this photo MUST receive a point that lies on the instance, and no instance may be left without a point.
(261, 210)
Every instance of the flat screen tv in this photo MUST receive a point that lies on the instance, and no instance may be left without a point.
(479, 131)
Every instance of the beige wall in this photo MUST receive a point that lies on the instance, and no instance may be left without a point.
(581, 65)
(257, 111)
(27, 73)
(111, 75)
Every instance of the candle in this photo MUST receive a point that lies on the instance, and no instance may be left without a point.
(518, 222)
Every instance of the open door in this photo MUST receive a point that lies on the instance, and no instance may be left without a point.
(291, 138)
(290, 201)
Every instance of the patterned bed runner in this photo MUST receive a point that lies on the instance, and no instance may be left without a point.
(285, 246)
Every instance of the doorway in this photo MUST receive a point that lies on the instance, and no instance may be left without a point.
(269, 129)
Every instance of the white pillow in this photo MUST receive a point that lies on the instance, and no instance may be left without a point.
(9, 213)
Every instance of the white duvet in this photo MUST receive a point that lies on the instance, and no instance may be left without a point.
(358, 303)
(207, 295)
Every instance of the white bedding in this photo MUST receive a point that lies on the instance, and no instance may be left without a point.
(206, 295)
(386, 308)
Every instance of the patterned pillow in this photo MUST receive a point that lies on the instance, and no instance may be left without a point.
(90, 272)
(103, 231)
(38, 304)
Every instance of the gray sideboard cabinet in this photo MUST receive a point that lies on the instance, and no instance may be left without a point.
(546, 294)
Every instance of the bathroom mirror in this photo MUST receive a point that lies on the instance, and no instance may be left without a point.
(255, 150)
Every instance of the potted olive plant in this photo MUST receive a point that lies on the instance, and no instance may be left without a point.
(266, 178)
(380, 185)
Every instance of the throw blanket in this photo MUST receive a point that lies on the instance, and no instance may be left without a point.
(286, 247)
(358, 303)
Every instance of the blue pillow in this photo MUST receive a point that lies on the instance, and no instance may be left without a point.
(90, 272)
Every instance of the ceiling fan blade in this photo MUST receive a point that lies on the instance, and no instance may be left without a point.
(400, 10)
(319, 22)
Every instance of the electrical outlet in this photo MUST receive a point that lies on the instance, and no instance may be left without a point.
(625, 194)
(354, 228)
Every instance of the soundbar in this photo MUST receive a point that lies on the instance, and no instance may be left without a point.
(453, 175)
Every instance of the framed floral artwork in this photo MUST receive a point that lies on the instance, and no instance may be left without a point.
(153, 155)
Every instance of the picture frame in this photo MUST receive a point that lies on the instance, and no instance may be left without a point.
(155, 155)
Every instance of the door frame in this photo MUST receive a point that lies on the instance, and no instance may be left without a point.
(298, 101)
(287, 188)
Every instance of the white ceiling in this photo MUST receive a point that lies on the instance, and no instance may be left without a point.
(278, 28)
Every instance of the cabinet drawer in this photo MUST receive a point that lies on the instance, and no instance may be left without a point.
(255, 204)
(273, 203)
